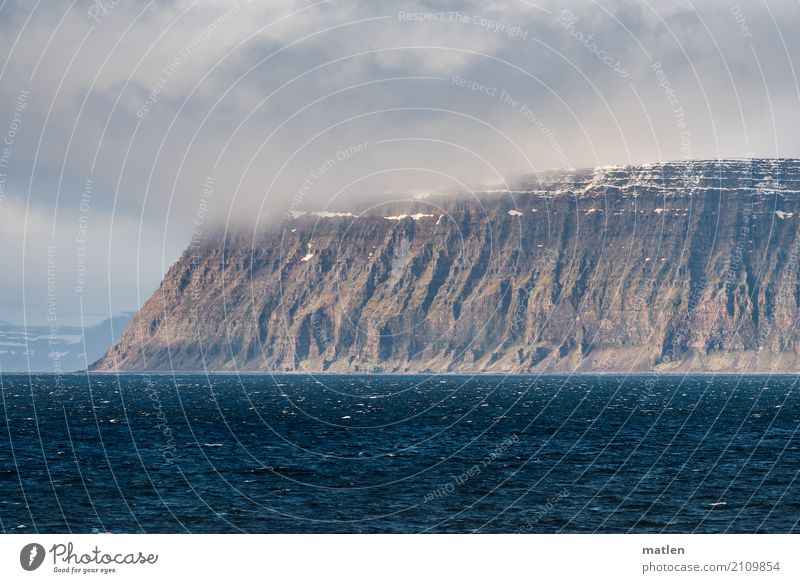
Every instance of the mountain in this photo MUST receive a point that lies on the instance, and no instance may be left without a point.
(59, 348)
(682, 266)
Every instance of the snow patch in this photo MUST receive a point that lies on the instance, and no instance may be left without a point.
(515, 213)
(329, 214)
(784, 215)
(307, 257)
(416, 217)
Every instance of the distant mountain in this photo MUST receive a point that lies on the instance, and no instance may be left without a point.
(60, 349)
(684, 266)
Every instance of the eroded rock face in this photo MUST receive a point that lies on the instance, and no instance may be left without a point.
(676, 267)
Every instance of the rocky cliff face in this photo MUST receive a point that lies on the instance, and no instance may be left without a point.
(675, 267)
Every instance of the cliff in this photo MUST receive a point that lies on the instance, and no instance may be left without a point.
(670, 266)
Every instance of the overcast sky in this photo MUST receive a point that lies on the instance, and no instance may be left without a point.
(125, 124)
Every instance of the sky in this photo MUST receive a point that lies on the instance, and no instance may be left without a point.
(129, 127)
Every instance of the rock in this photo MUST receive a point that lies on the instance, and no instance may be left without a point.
(669, 267)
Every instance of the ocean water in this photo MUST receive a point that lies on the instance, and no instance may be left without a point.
(402, 454)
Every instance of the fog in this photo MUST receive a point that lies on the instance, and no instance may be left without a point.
(130, 127)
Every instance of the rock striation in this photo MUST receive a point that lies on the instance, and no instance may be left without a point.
(674, 267)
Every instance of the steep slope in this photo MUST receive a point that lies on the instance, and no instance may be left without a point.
(674, 266)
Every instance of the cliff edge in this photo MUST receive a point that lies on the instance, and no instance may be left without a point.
(686, 266)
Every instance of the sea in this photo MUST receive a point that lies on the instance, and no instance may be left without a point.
(232, 453)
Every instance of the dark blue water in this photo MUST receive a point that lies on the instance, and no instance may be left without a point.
(399, 454)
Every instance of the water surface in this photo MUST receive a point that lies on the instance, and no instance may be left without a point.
(296, 453)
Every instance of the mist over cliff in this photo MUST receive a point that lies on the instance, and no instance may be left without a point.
(685, 266)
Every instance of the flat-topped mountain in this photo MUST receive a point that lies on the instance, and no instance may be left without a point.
(685, 266)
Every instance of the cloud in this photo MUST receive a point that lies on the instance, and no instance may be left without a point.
(76, 268)
(150, 100)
